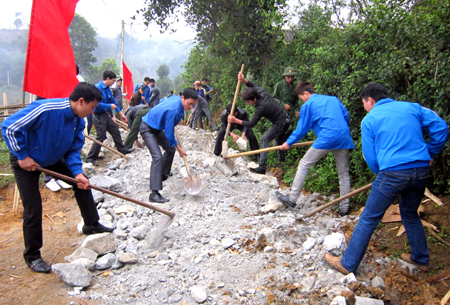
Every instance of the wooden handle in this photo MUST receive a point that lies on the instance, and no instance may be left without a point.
(106, 146)
(236, 93)
(351, 194)
(253, 152)
(184, 157)
(70, 179)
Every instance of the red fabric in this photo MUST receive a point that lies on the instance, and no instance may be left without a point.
(50, 69)
(127, 82)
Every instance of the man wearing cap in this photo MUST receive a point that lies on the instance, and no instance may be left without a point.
(146, 95)
(284, 93)
(202, 108)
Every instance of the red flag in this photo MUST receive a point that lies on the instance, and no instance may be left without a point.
(50, 69)
(127, 81)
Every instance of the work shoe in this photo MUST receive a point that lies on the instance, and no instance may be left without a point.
(53, 186)
(128, 151)
(157, 197)
(258, 170)
(96, 228)
(92, 161)
(407, 258)
(285, 200)
(335, 262)
(39, 265)
(63, 184)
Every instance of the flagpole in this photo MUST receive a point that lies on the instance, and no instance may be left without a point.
(121, 49)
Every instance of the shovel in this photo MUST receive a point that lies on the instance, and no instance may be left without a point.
(230, 163)
(253, 152)
(192, 184)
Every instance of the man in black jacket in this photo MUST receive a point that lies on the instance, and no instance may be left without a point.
(246, 131)
(265, 106)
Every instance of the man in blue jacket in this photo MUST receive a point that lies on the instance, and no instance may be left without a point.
(158, 129)
(103, 121)
(49, 133)
(146, 95)
(329, 120)
(395, 149)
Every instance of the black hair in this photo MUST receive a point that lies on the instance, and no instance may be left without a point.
(228, 108)
(87, 91)
(152, 80)
(146, 79)
(109, 74)
(249, 94)
(304, 86)
(180, 93)
(375, 91)
(171, 91)
(205, 79)
(190, 93)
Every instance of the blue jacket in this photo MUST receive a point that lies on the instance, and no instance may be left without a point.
(147, 94)
(46, 131)
(392, 136)
(107, 100)
(165, 116)
(329, 120)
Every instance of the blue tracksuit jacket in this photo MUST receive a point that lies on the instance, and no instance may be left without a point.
(107, 100)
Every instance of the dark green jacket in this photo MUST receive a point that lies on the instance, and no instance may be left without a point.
(285, 95)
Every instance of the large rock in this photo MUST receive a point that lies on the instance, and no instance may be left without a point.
(87, 263)
(82, 252)
(378, 282)
(335, 241)
(107, 183)
(101, 243)
(105, 262)
(127, 258)
(73, 274)
(139, 232)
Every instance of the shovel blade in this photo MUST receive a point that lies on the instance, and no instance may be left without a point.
(192, 185)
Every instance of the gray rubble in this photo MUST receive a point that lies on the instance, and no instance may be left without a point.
(233, 243)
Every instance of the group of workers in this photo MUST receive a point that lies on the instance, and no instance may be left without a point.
(392, 135)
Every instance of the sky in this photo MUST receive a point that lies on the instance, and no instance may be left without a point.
(105, 16)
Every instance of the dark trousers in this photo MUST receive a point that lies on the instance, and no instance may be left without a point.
(249, 134)
(134, 130)
(161, 164)
(103, 123)
(28, 184)
(276, 132)
(89, 123)
(198, 114)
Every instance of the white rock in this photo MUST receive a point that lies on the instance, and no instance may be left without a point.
(87, 263)
(334, 241)
(124, 209)
(309, 244)
(339, 300)
(378, 282)
(368, 301)
(348, 279)
(227, 242)
(198, 294)
(269, 249)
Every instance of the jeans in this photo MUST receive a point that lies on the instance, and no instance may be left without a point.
(310, 159)
(276, 132)
(410, 185)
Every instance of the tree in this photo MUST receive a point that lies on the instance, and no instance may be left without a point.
(82, 36)
(163, 71)
(95, 74)
(165, 85)
(18, 23)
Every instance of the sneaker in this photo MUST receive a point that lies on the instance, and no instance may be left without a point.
(53, 186)
(63, 184)
(407, 258)
(285, 200)
(335, 262)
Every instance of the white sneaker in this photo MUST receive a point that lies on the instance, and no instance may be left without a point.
(63, 184)
(53, 186)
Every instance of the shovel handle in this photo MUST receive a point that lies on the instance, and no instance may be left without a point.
(236, 93)
(184, 157)
(144, 204)
(106, 146)
(253, 152)
(351, 194)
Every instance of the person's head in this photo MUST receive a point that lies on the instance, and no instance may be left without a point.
(228, 108)
(371, 94)
(189, 98)
(180, 93)
(146, 80)
(304, 90)
(289, 75)
(119, 82)
(204, 80)
(152, 82)
(141, 88)
(109, 77)
(170, 92)
(197, 84)
(84, 98)
(250, 96)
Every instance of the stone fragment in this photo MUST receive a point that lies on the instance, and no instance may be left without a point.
(116, 265)
(127, 258)
(139, 232)
(98, 196)
(339, 300)
(105, 262)
(308, 283)
(124, 209)
(73, 274)
(227, 242)
(268, 234)
(271, 206)
(198, 294)
(405, 265)
(348, 279)
(107, 183)
(88, 169)
(368, 301)
(100, 243)
(87, 263)
(214, 242)
(334, 241)
(82, 252)
(269, 249)
(225, 170)
(309, 244)
(378, 282)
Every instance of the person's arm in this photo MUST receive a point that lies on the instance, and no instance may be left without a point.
(437, 130)
(304, 125)
(209, 89)
(276, 94)
(368, 146)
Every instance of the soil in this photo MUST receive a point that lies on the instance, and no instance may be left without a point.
(19, 285)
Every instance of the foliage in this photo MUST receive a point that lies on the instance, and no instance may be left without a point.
(165, 85)
(95, 74)
(163, 71)
(82, 37)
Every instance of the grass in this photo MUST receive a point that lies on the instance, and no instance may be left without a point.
(5, 167)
